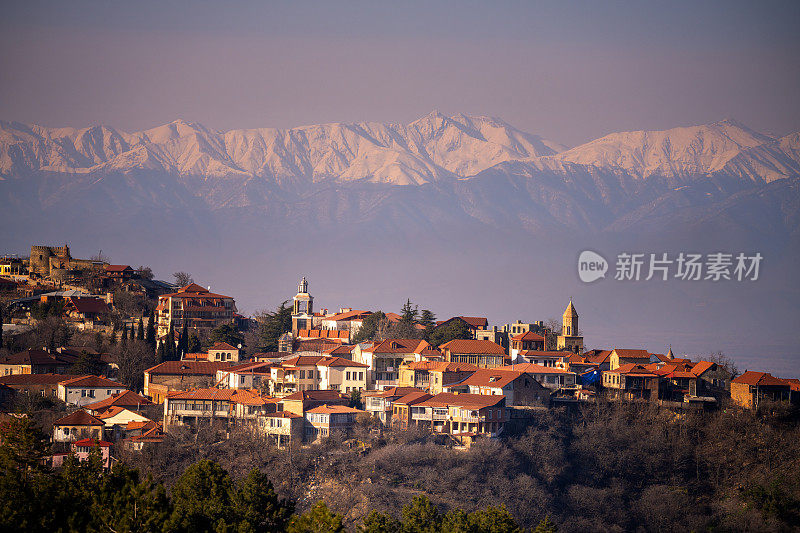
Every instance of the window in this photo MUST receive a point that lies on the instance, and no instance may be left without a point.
(360, 376)
(91, 393)
(83, 393)
(108, 392)
(347, 376)
(302, 374)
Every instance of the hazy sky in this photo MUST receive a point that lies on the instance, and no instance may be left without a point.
(568, 72)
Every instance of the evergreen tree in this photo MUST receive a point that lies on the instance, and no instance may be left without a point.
(409, 312)
(427, 318)
(376, 522)
(171, 351)
(1, 326)
(226, 333)
(456, 521)
(273, 325)
(193, 344)
(369, 327)
(494, 520)
(203, 499)
(318, 519)
(455, 329)
(140, 330)
(112, 340)
(421, 516)
(183, 341)
(150, 333)
(546, 526)
(258, 507)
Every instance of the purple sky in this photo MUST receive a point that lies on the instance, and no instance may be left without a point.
(568, 72)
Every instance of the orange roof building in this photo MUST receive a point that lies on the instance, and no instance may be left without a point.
(199, 308)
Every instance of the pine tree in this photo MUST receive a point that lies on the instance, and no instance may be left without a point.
(409, 312)
(421, 516)
(546, 526)
(183, 342)
(258, 506)
(1, 326)
(318, 519)
(203, 499)
(171, 343)
(377, 522)
(193, 344)
(140, 330)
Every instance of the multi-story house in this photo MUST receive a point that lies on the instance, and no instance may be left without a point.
(443, 374)
(384, 359)
(548, 376)
(379, 403)
(324, 420)
(296, 374)
(300, 402)
(525, 342)
(401, 408)
(35, 361)
(462, 413)
(621, 356)
(83, 390)
(245, 376)
(283, 427)
(340, 374)
(552, 359)
(631, 381)
(206, 405)
(171, 376)
(519, 388)
(481, 353)
(199, 308)
(752, 388)
(76, 426)
(42, 385)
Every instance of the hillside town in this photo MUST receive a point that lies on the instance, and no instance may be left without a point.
(122, 360)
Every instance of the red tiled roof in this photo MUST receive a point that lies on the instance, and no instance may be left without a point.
(533, 368)
(343, 349)
(92, 442)
(89, 305)
(472, 346)
(117, 268)
(415, 346)
(528, 336)
(340, 361)
(760, 379)
(632, 354)
(413, 398)
(634, 369)
(494, 378)
(545, 353)
(391, 392)
(330, 409)
(349, 315)
(475, 322)
(92, 381)
(123, 399)
(303, 360)
(283, 414)
(222, 346)
(34, 379)
(203, 394)
(189, 368)
(36, 357)
(601, 357)
(79, 418)
(701, 367)
(195, 291)
(471, 401)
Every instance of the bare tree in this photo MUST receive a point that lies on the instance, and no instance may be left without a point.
(183, 279)
(725, 362)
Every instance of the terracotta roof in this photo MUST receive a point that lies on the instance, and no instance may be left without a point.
(413, 398)
(189, 368)
(89, 305)
(632, 354)
(528, 336)
(601, 357)
(92, 442)
(634, 369)
(79, 418)
(340, 361)
(250, 367)
(34, 379)
(222, 346)
(108, 412)
(415, 346)
(316, 395)
(117, 268)
(760, 379)
(203, 394)
(330, 409)
(545, 353)
(36, 357)
(471, 401)
(491, 377)
(303, 360)
(349, 315)
(123, 399)
(793, 383)
(323, 334)
(472, 346)
(344, 349)
(533, 368)
(283, 414)
(92, 381)
(140, 424)
(195, 291)
(702, 366)
(391, 392)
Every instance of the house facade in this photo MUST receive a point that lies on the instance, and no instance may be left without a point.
(197, 307)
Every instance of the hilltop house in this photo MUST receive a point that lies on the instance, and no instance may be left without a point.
(83, 390)
(481, 353)
(632, 381)
(324, 420)
(384, 359)
(752, 388)
(476, 414)
(518, 387)
(76, 426)
(172, 376)
(199, 308)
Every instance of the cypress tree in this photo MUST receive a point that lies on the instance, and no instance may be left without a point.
(150, 334)
(183, 344)
(140, 330)
(171, 343)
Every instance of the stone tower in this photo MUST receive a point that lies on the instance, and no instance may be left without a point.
(570, 338)
(303, 308)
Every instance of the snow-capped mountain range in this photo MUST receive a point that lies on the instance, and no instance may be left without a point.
(440, 167)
